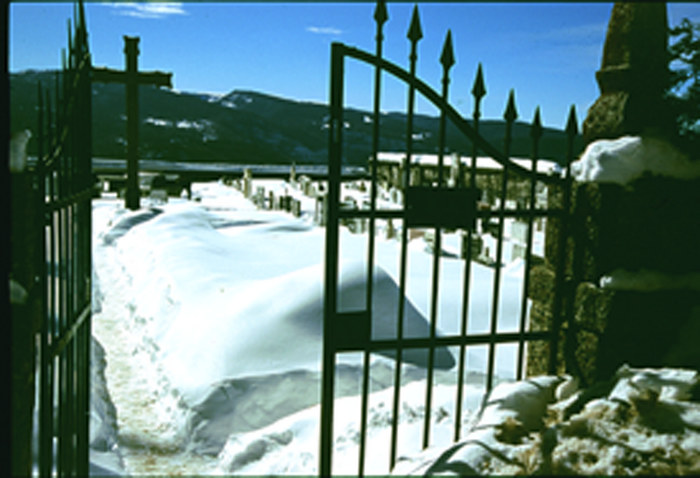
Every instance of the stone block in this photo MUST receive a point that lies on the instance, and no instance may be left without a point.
(541, 285)
(592, 307)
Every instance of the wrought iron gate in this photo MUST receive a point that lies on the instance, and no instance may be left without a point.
(435, 206)
(65, 189)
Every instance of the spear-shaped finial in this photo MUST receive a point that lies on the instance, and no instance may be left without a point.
(536, 129)
(511, 112)
(479, 90)
(83, 25)
(572, 124)
(414, 32)
(447, 58)
(380, 13)
(75, 15)
(70, 45)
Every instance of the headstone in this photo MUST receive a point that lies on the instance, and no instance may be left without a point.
(260, 197)
(293, 174)
(633, 73)
(132, 78)
(477, 244)
(321, 208)
(455, 178)
(390, 230)
(296, 207)
(247, 182)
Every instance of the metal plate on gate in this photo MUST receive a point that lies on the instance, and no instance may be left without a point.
(352, 331)
(453, 208)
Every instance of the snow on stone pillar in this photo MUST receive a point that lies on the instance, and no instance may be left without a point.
(632, 265)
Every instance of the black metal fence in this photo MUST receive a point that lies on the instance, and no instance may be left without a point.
(63, 192)
(451, 207)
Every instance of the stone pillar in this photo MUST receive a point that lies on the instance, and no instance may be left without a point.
(633, 73)
(631, 267)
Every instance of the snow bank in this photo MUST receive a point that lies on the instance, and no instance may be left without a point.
(643, 421)
(250, 403)
(628, 158)
(235, 314)
(512, 411)
(211, 313)
(650, 280)
(290, 445)
(105, 457)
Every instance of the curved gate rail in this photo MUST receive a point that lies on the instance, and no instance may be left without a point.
(65, 190)
(351, 331)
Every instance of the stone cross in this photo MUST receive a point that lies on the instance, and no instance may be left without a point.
(132, 78)
(633, 73)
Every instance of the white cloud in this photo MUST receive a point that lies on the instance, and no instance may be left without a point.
(324, 30)
(148, 9)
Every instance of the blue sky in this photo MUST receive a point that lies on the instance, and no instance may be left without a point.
(547, 52)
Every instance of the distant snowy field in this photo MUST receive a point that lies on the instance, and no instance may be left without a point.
(210, 315)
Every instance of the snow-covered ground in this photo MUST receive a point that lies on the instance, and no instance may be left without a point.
(210, 317)
(207, 314)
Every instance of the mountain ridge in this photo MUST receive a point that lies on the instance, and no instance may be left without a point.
(246, 126)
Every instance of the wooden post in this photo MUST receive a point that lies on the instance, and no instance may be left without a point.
(132, 79)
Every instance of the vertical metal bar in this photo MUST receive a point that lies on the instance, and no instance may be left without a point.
(56, 411)
(535, 134)
(509, 116)
(66, 158)
(131, 50)
(86, 247)
(54, 312)
(380, 17)
(557, 306)
(478, 91)
(331, 272)
(45, 418)
(414, 35)
(447, 60)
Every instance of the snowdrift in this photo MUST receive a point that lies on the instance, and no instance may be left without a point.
(211, 312)
(255, 321)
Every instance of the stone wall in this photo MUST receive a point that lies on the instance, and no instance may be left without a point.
(630, 268)
(632, 278)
